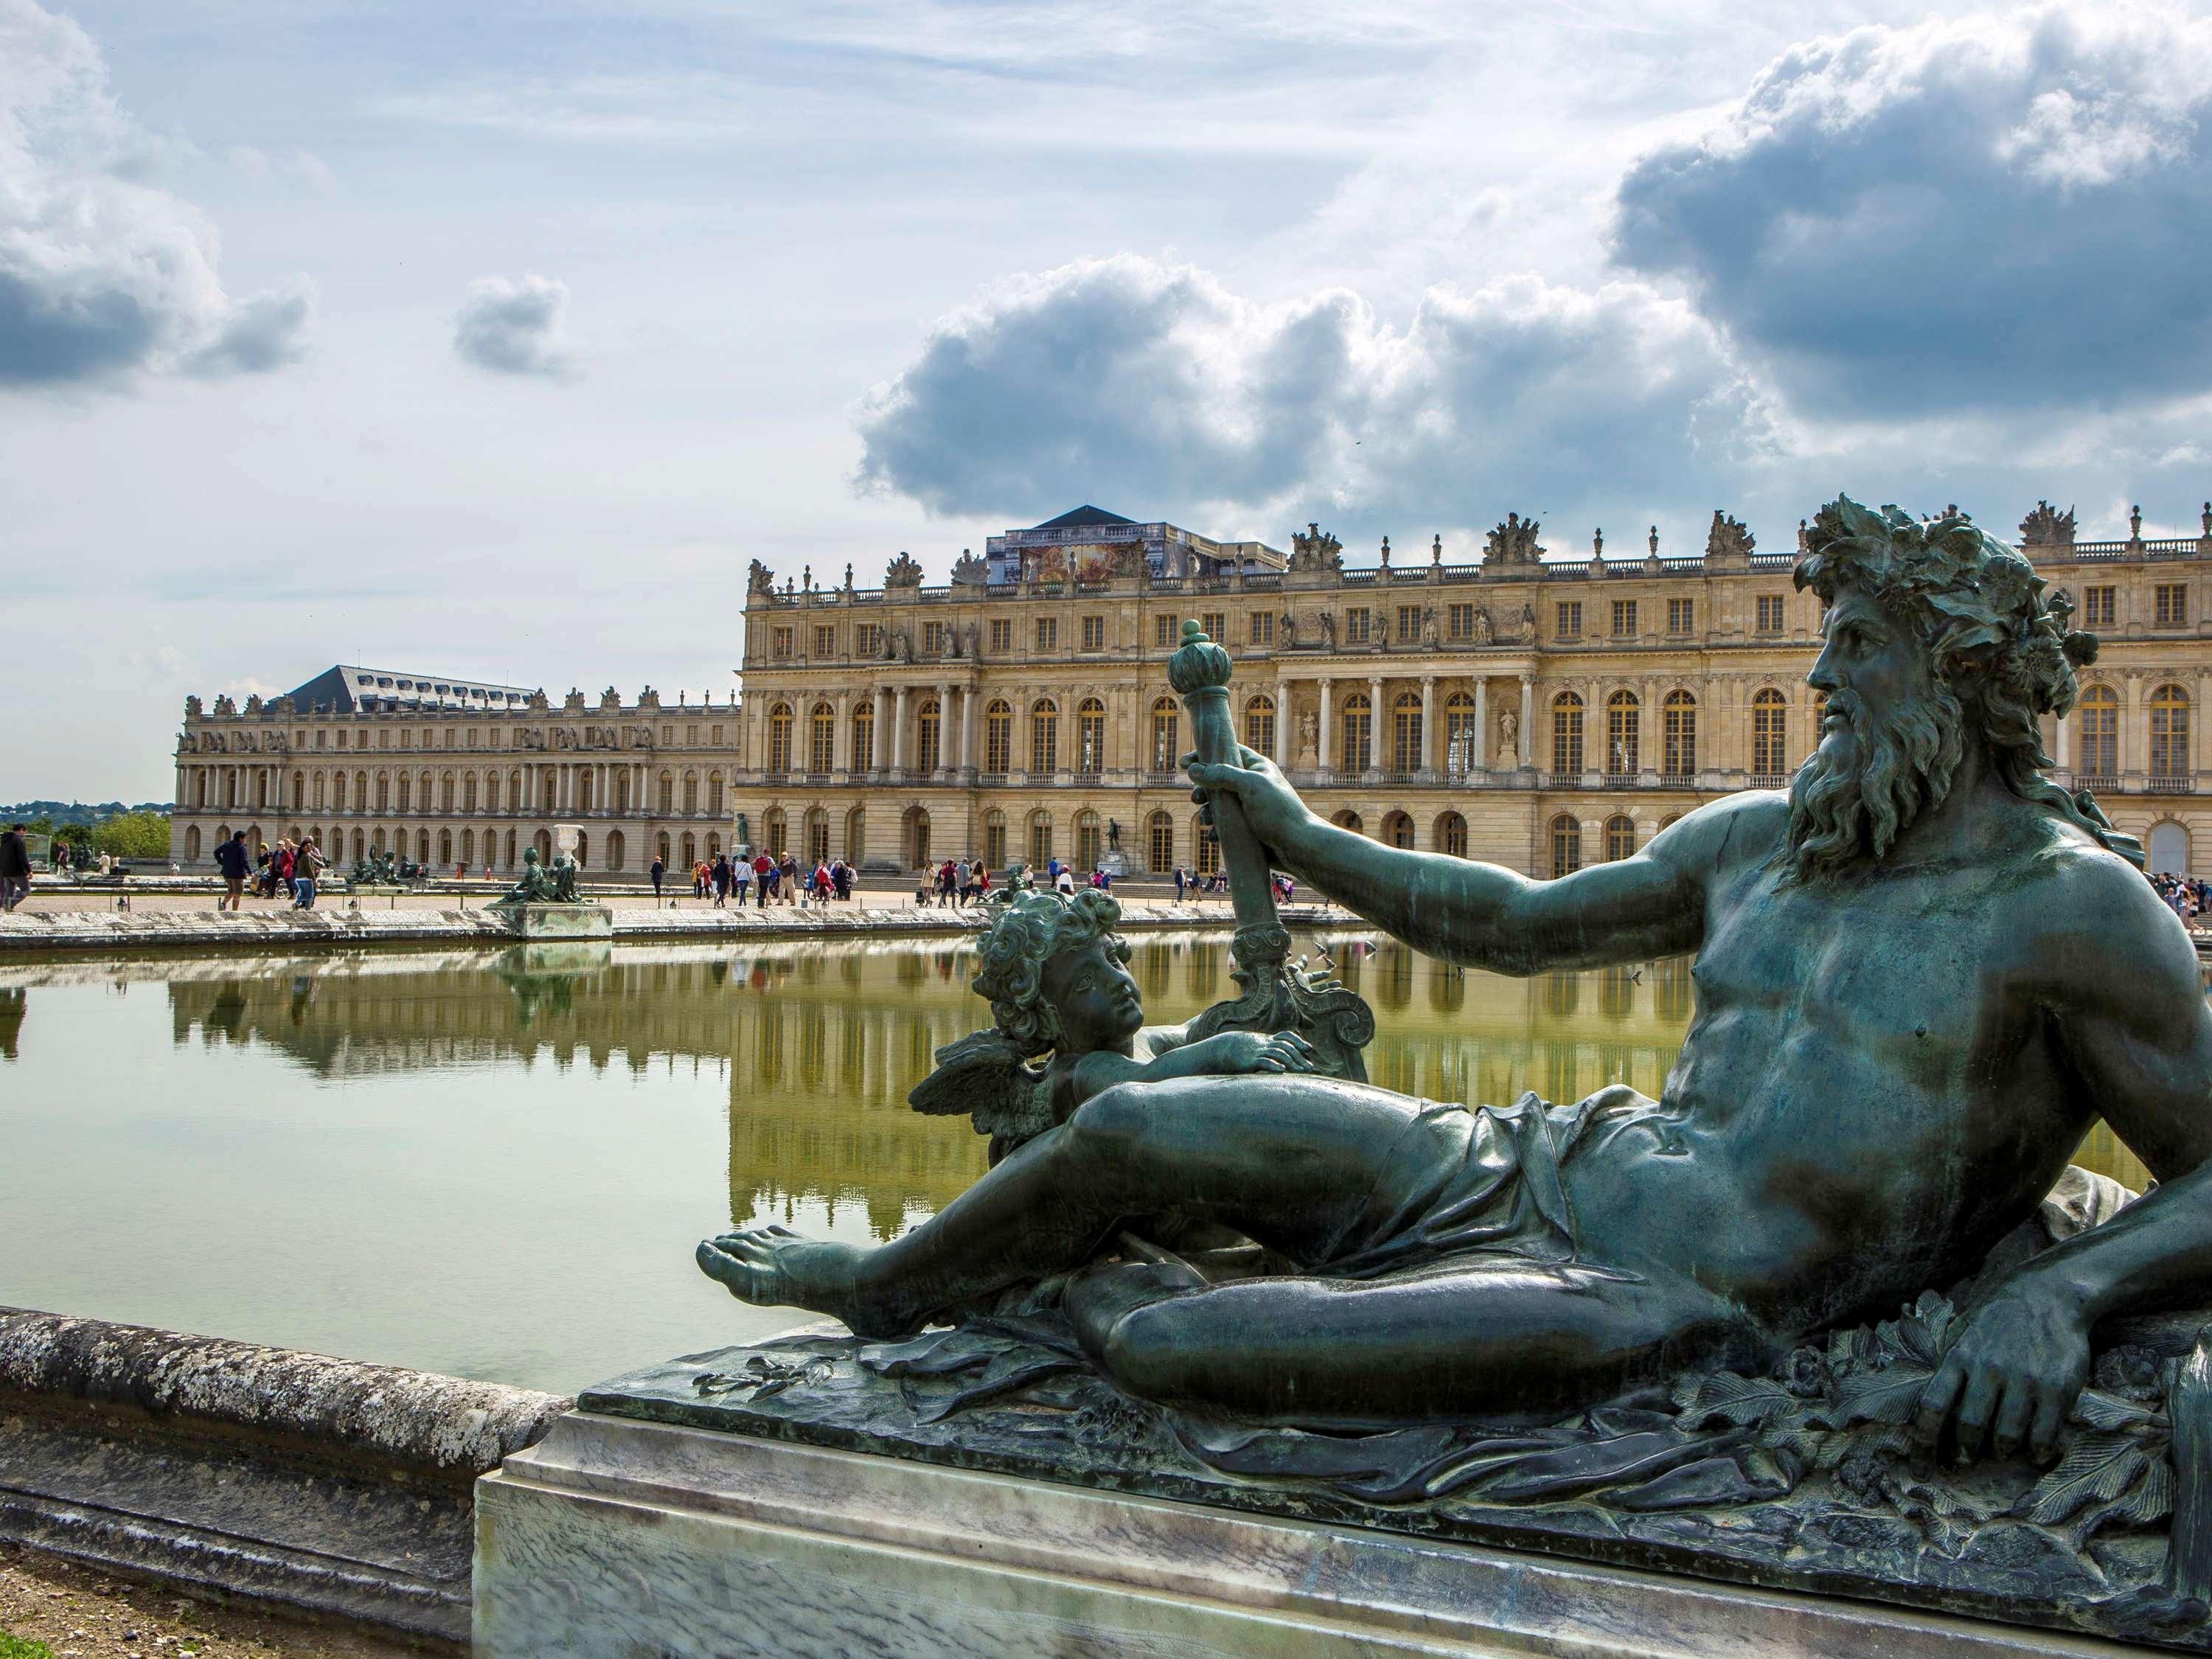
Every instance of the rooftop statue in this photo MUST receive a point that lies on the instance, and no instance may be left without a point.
(1314, 548)
(1923, 973)
(1512, 543)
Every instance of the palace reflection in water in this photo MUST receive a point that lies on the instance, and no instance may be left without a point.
(497, 1165)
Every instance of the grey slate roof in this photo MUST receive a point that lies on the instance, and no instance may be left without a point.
(349, 689)
(1084, 517)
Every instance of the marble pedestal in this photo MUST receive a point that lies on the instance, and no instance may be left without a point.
(554, 921)
(618, 1536)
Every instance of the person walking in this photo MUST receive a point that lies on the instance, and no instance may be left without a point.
(1064, 883)
(658, 872)
(306, 866)
(1179, 883)
(763, 867)
(15, 867)
(719, 876)
(841, 877)
(787, 878)
(741, 878)
(235, 863)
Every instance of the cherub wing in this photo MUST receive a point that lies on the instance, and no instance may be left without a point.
(985, 1076)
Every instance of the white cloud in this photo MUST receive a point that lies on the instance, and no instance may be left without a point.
(1997, 211)
(301, 168)
(513, 327)
(1129, 378)
(101, 276)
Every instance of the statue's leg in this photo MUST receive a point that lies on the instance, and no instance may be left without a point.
(1479, 1335)
(1292, 1162)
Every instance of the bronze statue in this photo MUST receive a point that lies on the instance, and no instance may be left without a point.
(533, 885)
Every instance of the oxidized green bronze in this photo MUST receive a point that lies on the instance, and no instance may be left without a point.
(1923, 973)
(537, 885)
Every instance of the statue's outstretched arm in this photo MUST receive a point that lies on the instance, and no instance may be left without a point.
(1483, 915)
(2118, 978)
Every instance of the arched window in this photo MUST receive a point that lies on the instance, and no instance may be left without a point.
(713, 846)
(994, 838)
(469, 792)
(617, 849)
(468, 847)
(622, 789)
(199, 785)
(1398, 830)
(1260, 725)
(1167, 754)
(584, 779)
(1406, 736)
(1089, 844)
(338, 792)
(1460, 733)
(856, 835)
(384, 790)
(422, 798)
(1090, 737)
(1351, 821)
(1040, 839)
(446, 796)
(361, 792)
(818, 836)
(690, 846)
(1770, 714)
(773, 831)
(421, 847)
(1624, 727)
(928, 724)
(299, 792)
(1620, 838)
(779, 741)
(2168, 847)
(1044, 738)
(192, 844)
(1451, 835)
(820, 738)
(1160, 844)
(690, 794)
(1566, 845)
(864, 736)
(917, 837)
(2169, 732)
(406, 792)
(667, 794)
(1208, 855)
(714, 794)
(1567, 734)
(1358, 720)
(445, 846)
(2100, 732)
(998, 738)
(661, 849)
(1678, 734)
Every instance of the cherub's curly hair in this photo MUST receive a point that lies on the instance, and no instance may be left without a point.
(1034, 929)
(1978, 606)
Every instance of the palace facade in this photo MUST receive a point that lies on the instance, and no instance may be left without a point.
(453, 772)
(1537, 712)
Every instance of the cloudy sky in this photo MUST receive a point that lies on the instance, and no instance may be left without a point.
(496, 340)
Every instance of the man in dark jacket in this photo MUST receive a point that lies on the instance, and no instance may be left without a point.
(15, 867)
(236, 864)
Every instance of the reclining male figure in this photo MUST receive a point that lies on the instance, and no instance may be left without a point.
(1922, 974)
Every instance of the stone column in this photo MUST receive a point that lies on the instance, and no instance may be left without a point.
(1283, 724)
(898, 729)
(1327, 725)
(1378, 724)
(2134, 736)
(944, 727)
(1480, 761)
(968, 760)
(1528, 755)
(1424, 762)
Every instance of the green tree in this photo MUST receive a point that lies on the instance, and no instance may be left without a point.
(131, 835)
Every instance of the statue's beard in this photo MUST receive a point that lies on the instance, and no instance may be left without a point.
(1849, 803)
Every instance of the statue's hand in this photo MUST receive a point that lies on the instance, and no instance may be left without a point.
(2011, 1375)
(1242, 1051)
(1271, 806)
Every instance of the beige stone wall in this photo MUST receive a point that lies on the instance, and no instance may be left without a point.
(870, 712)
(431, 784)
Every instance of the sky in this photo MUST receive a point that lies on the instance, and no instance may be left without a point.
(496, 341)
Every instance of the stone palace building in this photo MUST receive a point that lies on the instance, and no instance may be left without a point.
(1542, 713)
(1539, 711)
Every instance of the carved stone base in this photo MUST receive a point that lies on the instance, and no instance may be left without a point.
(618, 1536)
(537, 921)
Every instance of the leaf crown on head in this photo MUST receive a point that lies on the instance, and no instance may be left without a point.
(1033, 930)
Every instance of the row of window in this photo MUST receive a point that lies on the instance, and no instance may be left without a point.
(407, 794)
(469, 740)
(463, 847)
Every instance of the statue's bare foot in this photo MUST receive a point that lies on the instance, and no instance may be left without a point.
(774, 1266)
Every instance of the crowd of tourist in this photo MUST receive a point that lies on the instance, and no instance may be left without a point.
(2187, 896)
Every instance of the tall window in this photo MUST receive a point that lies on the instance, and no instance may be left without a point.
(1094, 632)
(1166, 752)
(690, 794)
(1451, 835)
(1357, 753)
(1619, 839)
(1567, 846)
(1263, 628)
(1680, 734)
(994, 838)
(468, 793)
(1216, 624)
(1040, 839)
(1002, 634)
(1164, 632)
(934, 635)
(2169, 731)
(1406, 736)
(406, 792)
(1770, 713)
(825, 640)
(1769, 613)
(928, 724)
(1206, 848)
(1090, 737)
(1459, 622)
(1681, 616)
(1569, 619)
(1567, 735)
(1358, 625)
(1624, 619)
(868, 641)
(820, 738)
(1044, 738)
(779, 741)
(1048, 633)
(2099, 606)
(1160, 844)
(1459, 734)
(1088, 844)
(2170, 603)
(864, 736)
(1260, 725)
(1624, 723)
(782, 646)
(998, 738)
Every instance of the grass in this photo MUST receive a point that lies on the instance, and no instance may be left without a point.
(15, 1647)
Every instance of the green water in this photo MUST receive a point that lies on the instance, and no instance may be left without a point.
(498, 1165)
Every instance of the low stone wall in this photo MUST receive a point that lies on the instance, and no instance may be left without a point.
(122, 932)
(329, 1485)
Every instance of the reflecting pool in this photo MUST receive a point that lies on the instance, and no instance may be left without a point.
(497, 1165)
